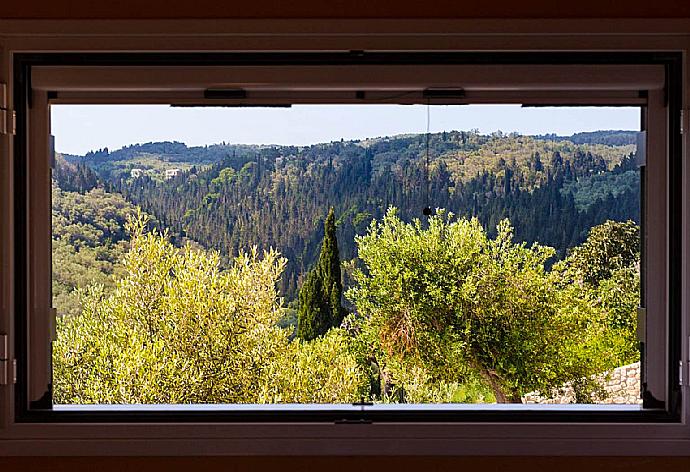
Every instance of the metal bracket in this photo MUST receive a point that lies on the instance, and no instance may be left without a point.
(8, 118)
(684, 368)
(8, 367)
(684, 120)
(680, 373)
(687, 363)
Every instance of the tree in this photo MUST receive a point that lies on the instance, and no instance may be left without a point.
(602, 277)
(320, 306)
(447, 305)
(88, 242)
(180, 329)
(313, 314)
(610, 246)
(227, 209)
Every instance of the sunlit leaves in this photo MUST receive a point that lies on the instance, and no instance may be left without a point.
(442, 303)
(179, 329)
(443, 313)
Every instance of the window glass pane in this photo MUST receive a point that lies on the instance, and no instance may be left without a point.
(393, 254)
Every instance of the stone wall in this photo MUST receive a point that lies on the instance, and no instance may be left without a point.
(622, 387)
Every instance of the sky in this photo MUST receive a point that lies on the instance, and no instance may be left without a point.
(82, 128)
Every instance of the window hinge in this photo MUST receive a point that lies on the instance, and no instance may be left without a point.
(687, 363)
(8, 118)
(8, 367)
(683, 367)
(684, 117)
(680, 373)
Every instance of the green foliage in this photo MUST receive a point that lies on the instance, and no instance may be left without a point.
(444, 314)
(153, 158)
(589, 190)
(89, 238)
(179, 329)
(313, 313)
(619, 298)
(552, 189)
(446, 304)
(225, 176)
(320, 296)
(320, 371)
(608, 137)
(445, 310)
(601, 280)
(74, 177)
(610, 246)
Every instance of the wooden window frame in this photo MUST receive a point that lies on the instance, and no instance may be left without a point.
(408, 435)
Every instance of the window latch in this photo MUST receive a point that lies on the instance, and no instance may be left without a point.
(8, 118)
(8, 367)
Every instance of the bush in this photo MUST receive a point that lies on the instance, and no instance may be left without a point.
(178, 329)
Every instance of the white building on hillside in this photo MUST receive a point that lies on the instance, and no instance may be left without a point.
(170, 173)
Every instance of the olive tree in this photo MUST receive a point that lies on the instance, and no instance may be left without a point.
(179, 329)
(445, 298)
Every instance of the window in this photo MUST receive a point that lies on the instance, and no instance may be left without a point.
(423, 298)
(448, 80)
(32, 429)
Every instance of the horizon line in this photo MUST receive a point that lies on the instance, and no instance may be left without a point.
(357, 140)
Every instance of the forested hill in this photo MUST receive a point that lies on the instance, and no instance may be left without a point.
(89, 237)
(155, 158)
(228, 197)
(609, 138)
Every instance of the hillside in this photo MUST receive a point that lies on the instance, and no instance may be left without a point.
(228, 197)
(88, 241)
(154, 158)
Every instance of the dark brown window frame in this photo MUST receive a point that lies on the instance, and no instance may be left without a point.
(26, 412)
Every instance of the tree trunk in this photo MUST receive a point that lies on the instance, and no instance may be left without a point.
(494, 382)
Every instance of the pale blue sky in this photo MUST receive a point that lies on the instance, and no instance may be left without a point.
(81, 128)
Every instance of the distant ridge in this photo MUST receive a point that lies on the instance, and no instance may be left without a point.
(608, 137)
(172, 148)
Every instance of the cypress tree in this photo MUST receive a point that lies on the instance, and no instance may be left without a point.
(321, 292)
(329, 262)
(310, 321)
